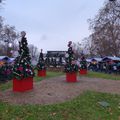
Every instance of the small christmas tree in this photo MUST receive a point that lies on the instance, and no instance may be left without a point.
(70, 66)
(22, 66)
(83, 63)
(5, 72)
(2, 73)
(47, 60)
(41, 62)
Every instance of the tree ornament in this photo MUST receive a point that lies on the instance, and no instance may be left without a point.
(73, 62)
(20, 68)
(23, 33)
(70, 65)
(41, 62)
(66, 55)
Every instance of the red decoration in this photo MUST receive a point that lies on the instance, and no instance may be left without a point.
(22, 85)
(83, 71)
(20, 68)
(42, 73)
(71, 77)
(74, 62)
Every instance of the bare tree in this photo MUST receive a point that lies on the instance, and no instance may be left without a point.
(88, 47)
(33, 51)
(8, 35)
(78, 49)
(1, 2)
(1, 27)
(105, 38)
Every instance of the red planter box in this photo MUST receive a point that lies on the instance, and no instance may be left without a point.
(42, 73)
(83, 71)
(22, 85)
(71, 77)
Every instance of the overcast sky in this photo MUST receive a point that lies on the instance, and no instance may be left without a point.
(50, 24)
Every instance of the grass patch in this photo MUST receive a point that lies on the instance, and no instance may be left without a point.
(49, 75)
(84, 107)
(103, 75)
(4, 86)
(8, 85)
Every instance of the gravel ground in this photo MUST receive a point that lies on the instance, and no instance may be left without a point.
(57, 90)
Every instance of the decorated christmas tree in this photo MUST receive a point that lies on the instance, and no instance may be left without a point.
(5, 72)
(41, 62)
(22, 66)
(47, 60)
(70, 66)
(83, 63)
(2, 73)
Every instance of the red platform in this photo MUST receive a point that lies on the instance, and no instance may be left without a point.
(71, 77)
(42, 73)
(22, 85)
(83, 71)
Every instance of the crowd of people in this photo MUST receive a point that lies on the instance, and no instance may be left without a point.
(106, 67)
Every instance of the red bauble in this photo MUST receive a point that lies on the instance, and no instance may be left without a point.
(20, 68)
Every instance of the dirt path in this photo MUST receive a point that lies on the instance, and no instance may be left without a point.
(56, 90)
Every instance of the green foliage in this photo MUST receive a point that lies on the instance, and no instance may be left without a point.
(103, 75)
(84, 107)
(41, 62)
(2, 68)
(4, 86)
(71, 68)
(83, 63)
(5, 72)
(22, 67)
(49, 75)
(70, 60)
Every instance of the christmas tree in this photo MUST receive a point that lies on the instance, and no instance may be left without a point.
(22, 66)
(70, 60)
(2, 73)
(47, 60)
(5, 72)
(83, 63)
(41, 62)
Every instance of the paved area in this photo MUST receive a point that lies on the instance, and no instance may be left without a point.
(57, 90)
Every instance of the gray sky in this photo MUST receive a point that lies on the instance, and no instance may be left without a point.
(50, 24)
